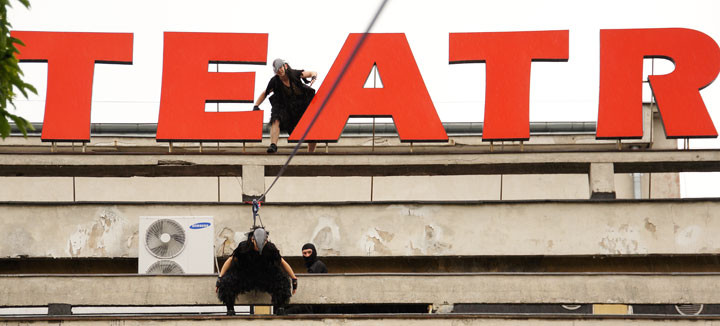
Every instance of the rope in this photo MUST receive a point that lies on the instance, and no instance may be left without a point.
(322, 107)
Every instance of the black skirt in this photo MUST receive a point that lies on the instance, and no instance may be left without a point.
(252, 272)
(288, 111)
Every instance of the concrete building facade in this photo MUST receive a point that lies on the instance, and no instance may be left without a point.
(560, 219)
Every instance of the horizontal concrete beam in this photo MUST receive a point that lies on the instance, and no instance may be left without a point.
(38, 290)
(669, 227)
(365, 320)
(217, 164)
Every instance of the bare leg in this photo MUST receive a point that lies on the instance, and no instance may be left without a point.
(311, 147)
(275, 132)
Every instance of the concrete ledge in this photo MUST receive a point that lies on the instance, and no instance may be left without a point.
(345, 164)
(368, 319)
(561, 288)
(671, 227)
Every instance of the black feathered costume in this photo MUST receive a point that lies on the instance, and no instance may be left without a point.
(288, 103)
(251, 270)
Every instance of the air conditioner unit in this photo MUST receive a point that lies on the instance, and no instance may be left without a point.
(176, 245)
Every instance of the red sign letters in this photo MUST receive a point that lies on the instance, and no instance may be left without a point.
(403, 96)
(508, 57)
(697, 63)
(187, 85)
(71, 59)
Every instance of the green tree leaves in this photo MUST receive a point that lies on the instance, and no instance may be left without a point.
(10, 74)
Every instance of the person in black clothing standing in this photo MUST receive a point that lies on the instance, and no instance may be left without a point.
(289, 100)
(313, 264)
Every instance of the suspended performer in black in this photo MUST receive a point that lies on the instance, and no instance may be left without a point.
(290, 97)
(256, 264)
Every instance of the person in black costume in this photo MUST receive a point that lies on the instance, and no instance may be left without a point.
(313, 264)
(256, 264)
(289, 100)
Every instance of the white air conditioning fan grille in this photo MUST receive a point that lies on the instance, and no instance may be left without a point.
(165, 238)
(689, 309)
(165, 267)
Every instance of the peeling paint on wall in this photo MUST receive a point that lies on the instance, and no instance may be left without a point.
(650, 226)
(132, 239)
(19, 241)
(375, 242)
(623, 240)
(326, 237)
(433, 240)
(430, 242)
(103, 237)
(225, 242)
(689, 235)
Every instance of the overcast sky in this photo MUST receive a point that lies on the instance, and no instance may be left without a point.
(309, 35)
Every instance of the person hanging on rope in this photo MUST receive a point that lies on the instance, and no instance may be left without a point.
(256, 264)
(289, 100)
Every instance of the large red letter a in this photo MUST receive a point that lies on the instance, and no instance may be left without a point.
(403, 96)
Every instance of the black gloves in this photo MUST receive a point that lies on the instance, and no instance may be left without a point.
(255, 108)
(294, 284)
(217, 283)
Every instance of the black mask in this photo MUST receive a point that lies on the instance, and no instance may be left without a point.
(313, 257)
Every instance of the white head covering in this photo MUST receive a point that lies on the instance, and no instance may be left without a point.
(277, 63)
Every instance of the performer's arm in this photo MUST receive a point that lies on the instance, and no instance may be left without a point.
(224, 269)
(259, 101)
(289, 271)
(226, 265)
(309, 74)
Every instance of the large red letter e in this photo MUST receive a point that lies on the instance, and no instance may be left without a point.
(697, 63)
(187, 85)
(71, 59)
(403, 96)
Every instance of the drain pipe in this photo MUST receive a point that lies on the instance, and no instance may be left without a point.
(637, 185)
(637, 180)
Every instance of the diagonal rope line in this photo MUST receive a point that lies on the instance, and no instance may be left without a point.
(330, 93)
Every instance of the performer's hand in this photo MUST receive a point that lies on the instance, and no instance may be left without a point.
(256, 108)
(216, 289)
(312, 81)
(294, 285)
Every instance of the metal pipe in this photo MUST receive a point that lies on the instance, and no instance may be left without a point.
(354, 129)
(637, 185)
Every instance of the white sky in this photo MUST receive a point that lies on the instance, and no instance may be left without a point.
(309, 35)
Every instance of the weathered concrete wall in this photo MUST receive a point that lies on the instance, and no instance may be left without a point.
(324, 189)
(442, 320)
(390, 229)
(435, 320)
(223, 164)
(371, 288)
(454, 187)
(36, 189)
(139, 189)
(545, 186)
(319, 189)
